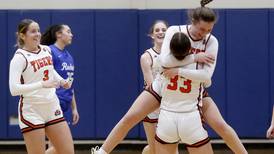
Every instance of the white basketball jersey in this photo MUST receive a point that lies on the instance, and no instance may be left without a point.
(39, 67)
(180, 94)
(155, 67)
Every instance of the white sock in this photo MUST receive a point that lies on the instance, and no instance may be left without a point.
(101, 151)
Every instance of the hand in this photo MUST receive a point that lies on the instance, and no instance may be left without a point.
(270, 132)
(50, 84)
(171, 72)
(204, 58)
(75, 117)
(66, 83)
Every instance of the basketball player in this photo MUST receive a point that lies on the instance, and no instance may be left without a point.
(180, 118)
(33, 77)
(57, 37)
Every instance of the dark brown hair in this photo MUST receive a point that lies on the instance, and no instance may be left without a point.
(49, 37)
(180, 45)
(202, 13)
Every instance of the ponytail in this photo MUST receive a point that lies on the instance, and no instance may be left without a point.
(205, 2)
(49, 37)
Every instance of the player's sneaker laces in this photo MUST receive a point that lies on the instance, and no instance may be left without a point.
(95, 150)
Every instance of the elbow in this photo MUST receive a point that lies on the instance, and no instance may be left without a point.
(13, 93)
(207, 78)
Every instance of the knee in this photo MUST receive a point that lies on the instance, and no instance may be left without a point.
(221, 126)
(68, 150)
(129, 120)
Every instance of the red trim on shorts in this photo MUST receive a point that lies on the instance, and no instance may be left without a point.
(147, 119)
(152, 92)
(33, 126)
(28, 129)
(55, 121)
(162, 141)
(198, 144)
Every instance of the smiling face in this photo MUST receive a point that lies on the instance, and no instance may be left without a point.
(32, 36)
(158, 33)
(201, 28)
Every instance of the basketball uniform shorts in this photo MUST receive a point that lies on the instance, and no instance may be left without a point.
(174, 127)
(36, 116)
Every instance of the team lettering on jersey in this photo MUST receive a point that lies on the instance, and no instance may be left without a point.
(67, 67)
(39, 63)
(195, 50)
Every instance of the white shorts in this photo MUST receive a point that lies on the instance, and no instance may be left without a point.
(36, 116)
(152, 117)
(154, 89)
(185, 127)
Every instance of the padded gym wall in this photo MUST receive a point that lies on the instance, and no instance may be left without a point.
(107, 45)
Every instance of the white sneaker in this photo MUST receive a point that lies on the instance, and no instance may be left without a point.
(95, 150)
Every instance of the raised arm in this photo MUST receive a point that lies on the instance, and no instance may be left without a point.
(204, 74)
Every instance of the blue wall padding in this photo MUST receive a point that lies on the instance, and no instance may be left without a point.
(4, 63)
(247, 71)
(115, 66)
(83, 51)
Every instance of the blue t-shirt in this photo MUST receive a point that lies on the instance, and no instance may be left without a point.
(64, 66)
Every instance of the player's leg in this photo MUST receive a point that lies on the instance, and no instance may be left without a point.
(193, 134)
(67, 113)
(215, 120)
(150, 130)
(150, 123)
(204, 149)
(35, 141)
(60, 136)
(163, 148)
(143, 105)
(167, 137)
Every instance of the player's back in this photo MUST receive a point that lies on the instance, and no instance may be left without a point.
(180, 94)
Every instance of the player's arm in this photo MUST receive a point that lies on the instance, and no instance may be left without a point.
(62, 82)
(204, 74)
(146, 63)
(167, 60)
(75, 114)
(17, 65)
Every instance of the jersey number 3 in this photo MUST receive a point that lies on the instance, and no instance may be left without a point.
(46, 75)
(173, 85)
